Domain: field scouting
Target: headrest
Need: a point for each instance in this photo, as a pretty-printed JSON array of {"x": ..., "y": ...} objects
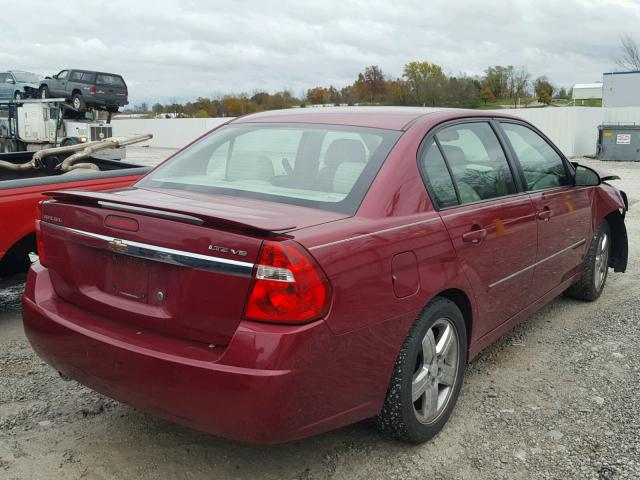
[
  {"x": 249, "y": 167},
  {"x": 345, "y": 150},
  {"x": 347, "y": 174},
  {"x": 454, "y": 154}
]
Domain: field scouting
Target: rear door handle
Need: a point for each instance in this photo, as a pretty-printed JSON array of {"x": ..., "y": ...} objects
[
  {"x": 545, "y": 214},
  {"x": 474, "y": 236}
]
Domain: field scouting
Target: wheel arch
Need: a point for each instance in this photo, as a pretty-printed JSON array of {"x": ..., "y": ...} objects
[
  {"x": 18, "y": 252},
  {"x": 463, "y": 302},
  {"x": 76, "y": 91}
]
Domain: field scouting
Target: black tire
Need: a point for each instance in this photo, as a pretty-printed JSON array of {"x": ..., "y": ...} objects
[
  {"x": 113, "y": 108},
  {"x": 44, "y": 92},
  {"x": 18, "y": 95},
  {"x": 400, "y": 414},
  {"x": 596, "y": 267},
  {"x": 77, "y": 102}
]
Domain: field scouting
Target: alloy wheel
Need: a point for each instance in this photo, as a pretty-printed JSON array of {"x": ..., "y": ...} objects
[
  {"x": 602, "y": 261},
  {"x": 435, "y": 371}
]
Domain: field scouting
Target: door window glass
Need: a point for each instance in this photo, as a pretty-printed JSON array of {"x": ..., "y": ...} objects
[
  {"x": 438, "y": 178},
  {"x": 542, "y": 166},
  {"x": 63, "y": 75},
  {"x": 3, "y": 77},
  {"x": 478, "y": 164}
]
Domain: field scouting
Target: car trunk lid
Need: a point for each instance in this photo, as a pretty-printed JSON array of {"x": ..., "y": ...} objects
[{"x": 183, "y": 270}]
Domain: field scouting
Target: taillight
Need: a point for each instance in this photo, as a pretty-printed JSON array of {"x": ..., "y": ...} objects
[
  {"x": 93, "y": 90},
  {"x": 288, "y": 286},
  {"x": 39, "y": 243},
  {"x": 126, "y": 93}
]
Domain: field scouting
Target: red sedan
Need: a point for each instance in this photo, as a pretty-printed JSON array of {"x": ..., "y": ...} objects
[{"x": 293, "y": 272}]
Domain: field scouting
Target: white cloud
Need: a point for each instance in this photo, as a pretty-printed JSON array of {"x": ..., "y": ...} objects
[{"x": 185, "y": 49}]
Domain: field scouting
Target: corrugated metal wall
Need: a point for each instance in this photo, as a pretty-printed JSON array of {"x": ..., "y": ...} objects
[{"x": 573, "y": 129}]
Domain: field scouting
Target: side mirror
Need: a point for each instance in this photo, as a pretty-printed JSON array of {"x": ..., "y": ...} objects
[{"x": 586, "y": 177}]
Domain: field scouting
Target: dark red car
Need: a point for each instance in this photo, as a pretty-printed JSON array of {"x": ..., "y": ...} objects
[{"x": 293, "y": 272}]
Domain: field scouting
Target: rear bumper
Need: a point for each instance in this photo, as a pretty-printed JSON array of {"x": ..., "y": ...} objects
[{"x": 270, "y": 384}]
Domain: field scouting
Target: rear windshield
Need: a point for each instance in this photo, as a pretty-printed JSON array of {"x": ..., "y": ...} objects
[
  {"x": 319, "y": 166},
  {"x": 110, "y": 80}
]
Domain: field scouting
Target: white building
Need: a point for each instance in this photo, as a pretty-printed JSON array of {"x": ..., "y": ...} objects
[
  {"x": 587, "y": 91},
  {"x": 621, "y": 89}
]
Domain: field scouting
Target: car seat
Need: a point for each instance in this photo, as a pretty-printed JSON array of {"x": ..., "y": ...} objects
[{"x": 340, "y": 151}]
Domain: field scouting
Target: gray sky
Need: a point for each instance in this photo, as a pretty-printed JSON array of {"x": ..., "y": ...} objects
[{"x": 185, "y": 49}]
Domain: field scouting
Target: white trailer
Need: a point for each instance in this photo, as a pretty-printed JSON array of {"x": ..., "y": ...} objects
[{"x": 32, "y": 125}]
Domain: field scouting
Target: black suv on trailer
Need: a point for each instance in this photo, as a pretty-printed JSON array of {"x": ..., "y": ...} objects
[{"x": 84, "y": 88}]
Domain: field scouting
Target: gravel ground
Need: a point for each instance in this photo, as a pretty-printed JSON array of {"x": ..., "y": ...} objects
[{"x": 555, "y": 398}]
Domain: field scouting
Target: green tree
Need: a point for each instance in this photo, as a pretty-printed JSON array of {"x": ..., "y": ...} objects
[{"x": 424, "y": 81}]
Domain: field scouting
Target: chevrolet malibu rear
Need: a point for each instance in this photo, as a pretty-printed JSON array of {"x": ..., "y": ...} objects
[{"x": 287, "y": 274}]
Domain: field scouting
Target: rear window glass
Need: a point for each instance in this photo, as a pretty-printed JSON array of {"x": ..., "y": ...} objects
[
  {"x": 110, "y": 80},
  {"x": 319, "y": 166}
]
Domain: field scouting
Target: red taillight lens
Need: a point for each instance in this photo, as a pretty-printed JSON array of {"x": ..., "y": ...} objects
[
  {"x": 126, "y": 93},
  {"x": 93, "y": 90},
  {"x": 39, "y": 243},
  {"x": 288, "y": 286}
]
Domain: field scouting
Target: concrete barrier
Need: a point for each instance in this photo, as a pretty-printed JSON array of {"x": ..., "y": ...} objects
[{"x": 573, "y": 129}]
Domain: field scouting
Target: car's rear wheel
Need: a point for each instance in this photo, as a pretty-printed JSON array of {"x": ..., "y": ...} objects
[
  {"x": 77, "y": 102},
  {"x": 596, "y": 267},
  {"x": 44, "y": 92},
  {"x": 428, "y": 374}
]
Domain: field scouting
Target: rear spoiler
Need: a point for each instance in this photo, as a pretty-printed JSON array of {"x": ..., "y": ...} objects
[{"x": 172, "y": 211}]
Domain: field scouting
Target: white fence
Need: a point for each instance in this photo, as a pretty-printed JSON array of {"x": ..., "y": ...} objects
[{"x": 573, "y": 129}]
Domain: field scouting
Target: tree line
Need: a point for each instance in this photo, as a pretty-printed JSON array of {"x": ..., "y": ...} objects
[{"x": 421, "y": 84}]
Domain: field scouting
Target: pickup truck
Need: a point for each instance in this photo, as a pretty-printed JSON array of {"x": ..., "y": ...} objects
[
  {"x": 21, "y": 190},
  {"x": 84, "y": 88}
]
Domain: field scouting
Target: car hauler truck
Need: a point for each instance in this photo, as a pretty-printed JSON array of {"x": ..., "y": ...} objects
[{"x": 32, "y": 125}]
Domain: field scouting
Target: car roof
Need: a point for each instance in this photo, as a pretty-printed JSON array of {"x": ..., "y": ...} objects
[{"x": 391, "y": 118}]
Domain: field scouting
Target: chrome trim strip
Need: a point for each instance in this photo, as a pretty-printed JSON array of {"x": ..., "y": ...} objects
[
  {"x": 151, "y": 212},
  {"x": 539, "y": 262},
  {"x": 377, "y": 232},
  {"x": 167, "y": 255}
]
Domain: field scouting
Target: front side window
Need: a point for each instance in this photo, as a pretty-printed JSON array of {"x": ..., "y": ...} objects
[
  {"x": 542, "y": 166},
  {"x": 63, "y": 75},
  {"x": 477, "y": 162},
  {"x": 320, "y": 166}
]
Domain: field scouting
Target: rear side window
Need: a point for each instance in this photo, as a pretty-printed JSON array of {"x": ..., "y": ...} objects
[
  {"x": 542, "y": 166},
  {"x": 438, "y": 178},
  {"x": 477, "y": 162},
  {"x": 110, "y": 80},
  {"x": 86, "y": 77},
  {"x": 329, "y": 167}
]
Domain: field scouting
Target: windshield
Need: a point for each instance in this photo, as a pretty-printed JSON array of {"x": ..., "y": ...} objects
[
  {"x": 321, "y": 166},
  {"x": 26, "y": 77}
]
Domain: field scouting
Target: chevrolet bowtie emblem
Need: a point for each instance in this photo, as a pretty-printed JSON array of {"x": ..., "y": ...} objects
[{"x": 117, "y": 246}]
